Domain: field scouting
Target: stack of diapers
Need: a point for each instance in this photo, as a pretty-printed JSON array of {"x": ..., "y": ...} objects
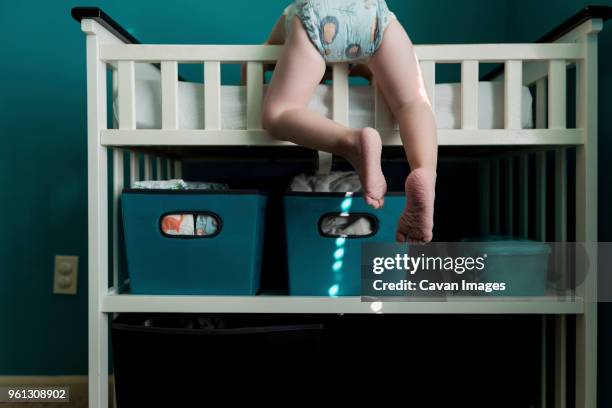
[{"x": 182, "y": 224}]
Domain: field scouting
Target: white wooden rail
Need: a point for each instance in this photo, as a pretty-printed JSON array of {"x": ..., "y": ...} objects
[
  {"x": 509, "y": 196},
  {"x": 514, "y": 57},
  {"x": 270, "y": 53}
]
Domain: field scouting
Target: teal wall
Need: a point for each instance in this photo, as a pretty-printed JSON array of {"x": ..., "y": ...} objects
[
  {"x": 43, "y": 159},
  {"x": 42, "y": 124}
]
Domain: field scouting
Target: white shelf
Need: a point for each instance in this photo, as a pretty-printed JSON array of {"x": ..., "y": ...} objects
[
  {"x": 117, "y": 303},
  {"x": 241, "y": 137}
]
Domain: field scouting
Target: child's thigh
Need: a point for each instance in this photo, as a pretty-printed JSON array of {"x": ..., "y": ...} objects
[
  {"x": 396, "y": 68},
  {"x": 298, "y": 70}
]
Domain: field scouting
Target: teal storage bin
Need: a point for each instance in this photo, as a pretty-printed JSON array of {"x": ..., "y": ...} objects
[
  {"x": 330, "y": 265},
  {"x": 522, "y": 264},
  {"x": 226, "y": 262}
]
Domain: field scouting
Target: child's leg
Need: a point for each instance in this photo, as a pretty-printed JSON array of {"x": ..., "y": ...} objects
[
  {"x": 286, "y": 115},
  {"x": 396, "y": 70}
]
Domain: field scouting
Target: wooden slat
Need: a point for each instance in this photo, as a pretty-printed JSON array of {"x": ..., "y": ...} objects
[
  {"x": 118, "y": 181},
  {"x": 428, "y": 70},
  {"x": 115, "y": 92},
  {"x": 495, "y": 197},
  {"x": 541, "y": 102},
  {"x": 485, "y": 196},
  {"x": 254, "y": 85},
  {"x": 134, "y": 168},
  {"x": 178, "y": 169},
  {"x": 469, "y": 95},
  {"x": 560, "y": 195},
  {"x": 169, "y": 88},
  {"x": 341, "y": 94},
  {"x": 383, "y": 118},
  {"x": 540, "y": 191},
  {"x": 126, "y": 95},
  {"x": 579, "y": 112},
  {"x": 524, "y": 195},
  {"x": 147, "y": 167},
  {"x": 513, "y": 94},
  {"x": 561, "y": 209},
  {"x": 158, "y": 168},
  {"x": 510, "y": 196},
  {"x": 586, "y": 217},
  {"x": 543, "y": 361},
  {"x": 561, "y": 274},
  {"x": 560, "y": 361},
  {"x": 340, "y": 110},
  {"x": 168, "y": 169},
  {"x": 212, "y": 95},
  {"x": 557, "y": 94}
]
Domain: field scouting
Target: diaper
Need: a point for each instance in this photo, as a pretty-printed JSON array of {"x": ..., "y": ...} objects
[
  {"x": 342, "y": 30},
  {"x": 177, "y": 224},
  {"x": 188, "y": 225},
  {"x": 206, "y": 225}
]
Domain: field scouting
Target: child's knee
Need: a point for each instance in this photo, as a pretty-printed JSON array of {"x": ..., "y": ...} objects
[
  {"x": 267, "y": 118},
  {"x": 270, "y": 115}
]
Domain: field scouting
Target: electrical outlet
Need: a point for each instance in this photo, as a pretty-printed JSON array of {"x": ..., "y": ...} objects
[{"x": 66, "y": 272}]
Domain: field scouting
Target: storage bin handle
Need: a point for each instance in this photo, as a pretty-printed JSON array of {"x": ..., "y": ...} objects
[
  {"x": 348, "y": 225},
  {"x": 192, "y": 224}
]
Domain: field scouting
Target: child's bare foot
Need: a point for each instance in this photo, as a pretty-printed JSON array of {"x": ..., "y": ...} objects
[
  {"x": 367, "y": 164},
  {"x": 416, "y": 222}
]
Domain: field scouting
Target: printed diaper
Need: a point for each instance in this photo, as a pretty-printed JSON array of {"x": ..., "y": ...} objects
[
  {"x": 206, "y": 225},
  {"x": 342, "y": 30},
  {"x": 189, "y": 225}
]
